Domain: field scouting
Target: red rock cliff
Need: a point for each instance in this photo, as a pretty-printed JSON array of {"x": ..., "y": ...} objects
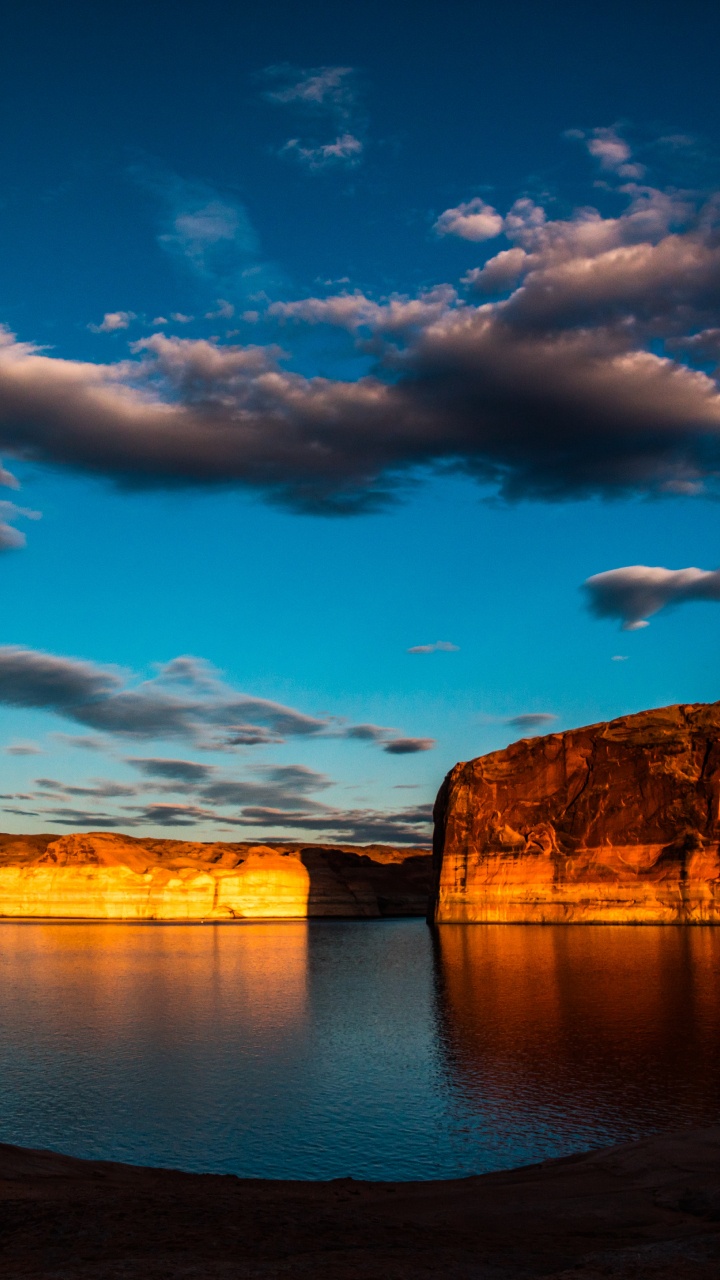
[{"x": 615, "y": 822}]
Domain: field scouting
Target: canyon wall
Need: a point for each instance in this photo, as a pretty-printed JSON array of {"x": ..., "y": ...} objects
[
  {"x": 100, "y": 876},
  {"x": 616, "y": 822}
]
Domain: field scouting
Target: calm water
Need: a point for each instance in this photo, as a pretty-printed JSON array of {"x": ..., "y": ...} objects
[{"x": 374, "y": 1049}]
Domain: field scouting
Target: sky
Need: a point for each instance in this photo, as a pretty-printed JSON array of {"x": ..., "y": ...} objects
[{"x": 359, "y": 409}]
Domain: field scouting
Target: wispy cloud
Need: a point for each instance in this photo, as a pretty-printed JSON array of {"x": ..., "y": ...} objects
[
  {"x": 186, "y": 700},
  {"x": 438, "y": 646},
  {"x": 24, "y": 749},
  {"x": 209, "y": 233},
  {"x": 11, "y": 539},
  {"x": 276, "y": 798},
  {"x": 531, "y": 720},
  {"x": 327, "y": 96},
  {"x": 638, "y": 591},
  {"x": 389, "y": 739},
  {"x": 346, "y": 149}
]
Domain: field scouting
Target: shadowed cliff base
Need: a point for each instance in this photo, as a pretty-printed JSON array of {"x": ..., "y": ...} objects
[
  {"x": 102, "y": 876},
  {"x": 648, "y": 1210},
  {"x": 618, "y": 823}
]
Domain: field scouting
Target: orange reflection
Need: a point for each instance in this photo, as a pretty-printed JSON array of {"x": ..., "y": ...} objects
[{"x": 536, "y": 1014}]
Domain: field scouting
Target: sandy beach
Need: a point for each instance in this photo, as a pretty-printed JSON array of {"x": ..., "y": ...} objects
[{"x": 648, "y": 1210}]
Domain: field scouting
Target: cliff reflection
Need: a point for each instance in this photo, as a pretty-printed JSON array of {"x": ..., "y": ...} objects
[{"x": 605, "y": 1030}]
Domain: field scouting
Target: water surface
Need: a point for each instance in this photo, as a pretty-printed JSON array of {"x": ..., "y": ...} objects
[{"x": 320, "y": 1049}]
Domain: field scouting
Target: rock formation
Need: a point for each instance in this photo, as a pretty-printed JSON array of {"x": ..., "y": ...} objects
[
  {"x": 100, "y": 876},
  {"x": 617, "y": 822}
]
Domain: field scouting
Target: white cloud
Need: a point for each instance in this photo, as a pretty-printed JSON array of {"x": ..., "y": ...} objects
[
  {"x": 112, "y": 321},
  {"x": 474, "y": 220}
]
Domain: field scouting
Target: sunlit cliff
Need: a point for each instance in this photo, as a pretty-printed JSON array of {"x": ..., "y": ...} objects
[
  {"x": 113, "y": 877},
  {"x": 617, "y": 822}
]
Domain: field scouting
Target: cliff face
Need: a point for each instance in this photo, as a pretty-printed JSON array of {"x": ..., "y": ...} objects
[
  {"x": 111, "y": 877},
  {"x": 614, "y": 822}
]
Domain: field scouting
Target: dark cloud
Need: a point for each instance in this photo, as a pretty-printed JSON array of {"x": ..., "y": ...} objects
[
  {"x": 408, "y": 746},
  {"x": 185, "y": 700},
  {"x": 23, "y": 749},
  {"x": 389, "y": 739},
  {"x": 591, "y": 374},
  {"x": 102, "y": 788},
  {"x": 638, "y": 591},
  {"x": 531, "y": 719},
  {"x": 409, "y": 826},
  {"x": 177, "y": 770}
]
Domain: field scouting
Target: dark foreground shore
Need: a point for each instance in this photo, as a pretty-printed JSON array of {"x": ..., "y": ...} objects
[{"x": 645, "y": 1209}]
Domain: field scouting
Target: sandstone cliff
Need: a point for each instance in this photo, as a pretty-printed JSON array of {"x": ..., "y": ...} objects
[
  {"x": 615, "y": 822},
  {"x": 100, "y": 876}
]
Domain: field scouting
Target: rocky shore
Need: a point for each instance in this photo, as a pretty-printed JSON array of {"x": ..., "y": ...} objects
[
  {"x": 649, "y": 1210},
  {"x": 618, "y": 822}
]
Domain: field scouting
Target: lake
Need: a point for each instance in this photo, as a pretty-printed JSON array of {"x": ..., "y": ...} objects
[{"x": 320, "y": 1049}]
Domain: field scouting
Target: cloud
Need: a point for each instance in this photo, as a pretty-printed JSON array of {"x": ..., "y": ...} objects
[
  {"x": 346, "y": 149},
  {"x": 439, "y": 646},
  {"x": 209, "y": 233},
  {"x": 7, "y": 479},
  {"x": 388, "y": 739},
  {"x": 633, "y": 594},
  {"x": 102, "y": 788},
  {"x": 474, "y": 220},
  {"x": 182, "y": 771},
  {"x": 10, "y": 538},
  {"x": 319, "y": 88},
  {"x": 277, "y": 798},
  {"x": 186, "y": 700},
  {"x": 328, "y": 95},
  {"x": 408, "y": 746},
  {"x": 112, "y": 321},
  {"x": 531, "y": 719},
  {"x": 573, "y": 385},
  {"x": 619, "y": 657},
  {"x": 82, "y": 742},
  {"x": 225, "y": 311},
  {"x": 614, "y": 153},
  {"x": 24, "y": 749}
]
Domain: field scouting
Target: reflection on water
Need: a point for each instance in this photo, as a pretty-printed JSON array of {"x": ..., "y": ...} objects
[
  {"x": 563, "y": 1037},
  {"x": 324, "y": 1048}
]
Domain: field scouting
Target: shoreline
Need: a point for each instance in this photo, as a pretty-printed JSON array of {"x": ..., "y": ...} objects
[{"x": 648, "y": 1209}]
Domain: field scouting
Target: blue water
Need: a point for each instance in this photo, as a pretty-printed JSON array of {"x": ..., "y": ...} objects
[{"x": 377, "y": 1049}]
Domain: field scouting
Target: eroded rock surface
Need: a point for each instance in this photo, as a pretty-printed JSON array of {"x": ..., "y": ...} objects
[
  {"x": 115, "y": 877},
  {"x": 616, "y": 822}
]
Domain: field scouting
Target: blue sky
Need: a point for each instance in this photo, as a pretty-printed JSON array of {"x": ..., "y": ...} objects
[{"x": 333, "y": 333}]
